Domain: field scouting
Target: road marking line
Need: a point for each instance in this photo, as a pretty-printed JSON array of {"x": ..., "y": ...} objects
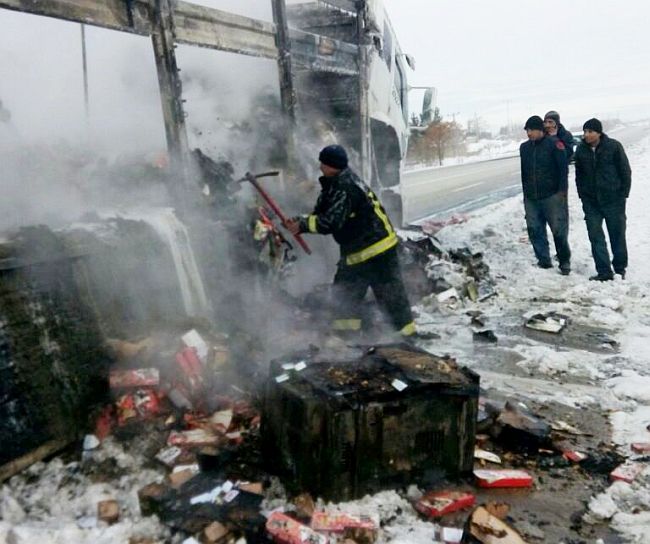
[{"x": 458, "y": 189}]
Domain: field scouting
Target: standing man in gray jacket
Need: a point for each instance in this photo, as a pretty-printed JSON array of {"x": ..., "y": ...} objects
[{"x": 603, "y": 179}]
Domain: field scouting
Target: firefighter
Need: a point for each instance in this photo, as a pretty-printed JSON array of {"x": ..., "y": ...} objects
[{"x": 350, "y": 211}]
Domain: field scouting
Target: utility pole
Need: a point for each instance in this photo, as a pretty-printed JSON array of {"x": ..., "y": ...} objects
[
  {"x": 84, "y": 65},
  {"x": 365, "y": 143},
  {"x": 170, "y": 85}
]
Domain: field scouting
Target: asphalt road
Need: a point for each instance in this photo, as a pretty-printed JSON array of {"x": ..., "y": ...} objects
[{"x": 440, "y": 192}]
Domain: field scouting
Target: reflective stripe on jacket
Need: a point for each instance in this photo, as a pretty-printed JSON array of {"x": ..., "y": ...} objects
[{"x": 351, "y": 212}]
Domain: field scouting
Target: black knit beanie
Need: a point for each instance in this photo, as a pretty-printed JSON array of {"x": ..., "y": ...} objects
[
  {"x": 593, "y": 124},
  {"x": 534, "y": 123},
  {"x": 334, "y": 156}
]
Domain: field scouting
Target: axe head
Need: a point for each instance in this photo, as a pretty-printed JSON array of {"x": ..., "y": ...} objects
[{"x": 252, "y": 177}]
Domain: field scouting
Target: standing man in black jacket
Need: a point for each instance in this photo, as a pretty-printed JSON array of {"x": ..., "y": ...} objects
[
  {"x": 603, "y": 179},
  {"x": 544, "y": 172},
  {"x": 349, "y": 210},
  {"x": 553, "y": 127}
]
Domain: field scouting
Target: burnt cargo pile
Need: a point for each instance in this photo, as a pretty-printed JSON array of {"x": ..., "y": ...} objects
[
  {"x": 343, "y": 428},
  {"x": 51, "y": 361}
]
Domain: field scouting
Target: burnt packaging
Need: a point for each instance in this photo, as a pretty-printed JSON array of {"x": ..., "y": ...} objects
[{"x": 343, "y": 428}]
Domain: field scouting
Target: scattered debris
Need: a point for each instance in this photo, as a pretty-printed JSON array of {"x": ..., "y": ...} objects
[
  {"x": 484, "y": 528},
  {"x": 485, "y": 335},
  {"x": 438, "y": 503},
  {"x": 503, "y": 478},
  {"x": 108, "y": 511},
  {"x": 484, "y": 455},
  {"x": 142, "y": 377},
  {"x": 574, "y": 456},
  {"x": 449, "y": 298},
  {"x": 451, "y": 535},
  {"x": 339, "y": 523},
  {"x": 286, "y": 530},
  {"x": 498, "y": 509},
  {"x": 215, "y": 533},
  {"x": 305, "y": 506},
  {"x": 193, "y": 437},
  {"x": 169, "y": 456},
  {"x": 548, "y": 322},
  {"x": 564, "y": 427},
  {"x": 640, "y": 447},
  {"x": 627, "y": 472},
  {"x": 91, "y": 442},
  {"x": 192, "y": 339},
  {"x": 518, "y": 428},
  {"x": 151, "y": 498},
  {"x": 178, "y": 477}
]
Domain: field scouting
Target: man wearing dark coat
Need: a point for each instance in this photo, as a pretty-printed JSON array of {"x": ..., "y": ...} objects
[
  {"x": 603, "y": 179},
  {"x": 544, "y": 172}
]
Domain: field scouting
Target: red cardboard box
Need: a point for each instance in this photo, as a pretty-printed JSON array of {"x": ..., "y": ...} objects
[
  {"x": 503, "y": 478},
  {"x": 627, "y": 472},
  {"x": 438, "y": 503},
  {"x": 574, "y": 456},
  {"x": 193, "y": 437},
  {"x": 641, "y": 447},
  {"x": 338, "y": 523},
  {"x": 286, "y": 530},
  {"x": 140, "y": 377}
]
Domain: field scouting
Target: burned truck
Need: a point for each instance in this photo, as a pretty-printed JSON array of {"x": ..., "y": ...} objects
[{"x": 335, "y": 96}]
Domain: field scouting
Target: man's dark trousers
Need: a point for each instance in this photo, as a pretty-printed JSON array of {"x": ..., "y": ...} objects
[
  {"x": 382, "y": 274},
  {"x": 553, "y": 211},
  {"x": 614, "y": 215}
]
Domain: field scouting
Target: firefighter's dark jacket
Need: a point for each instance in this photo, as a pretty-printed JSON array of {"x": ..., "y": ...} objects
[
  {"x": 348, "y": 210},
  {"x": 604, "y": 174},
  {"x": 544, "y": 167}
]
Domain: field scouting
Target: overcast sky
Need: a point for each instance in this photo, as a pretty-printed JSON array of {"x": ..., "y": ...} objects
[
  {"x": 496, "y": 59},
  {"x": 584, "y": 58}
]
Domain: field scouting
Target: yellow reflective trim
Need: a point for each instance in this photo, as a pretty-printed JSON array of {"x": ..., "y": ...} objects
[
  {"x": 346, "y": 324},
  {"x": 408, "y": 329},
  {"x": 380, "y": 213},
  {"x": 372, "y": 251},
  {"x": 311, "y": 223}
]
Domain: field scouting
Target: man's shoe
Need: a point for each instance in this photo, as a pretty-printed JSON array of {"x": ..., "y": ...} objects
[
  {"x": 545, "y": 264},
  {"x": 565, "y": 271},
  {"x": 621, "y": 273},
  {"x": 602, "y": 277}
]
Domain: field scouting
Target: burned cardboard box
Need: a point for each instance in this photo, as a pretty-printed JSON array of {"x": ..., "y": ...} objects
[{"x": 343, "y": 427}]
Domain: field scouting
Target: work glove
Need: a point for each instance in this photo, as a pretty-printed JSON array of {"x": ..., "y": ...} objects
[{"x": 296, "y": 225}]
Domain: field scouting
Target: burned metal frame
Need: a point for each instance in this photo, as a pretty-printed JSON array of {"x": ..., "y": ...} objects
[{"x": 171, "y": 22}]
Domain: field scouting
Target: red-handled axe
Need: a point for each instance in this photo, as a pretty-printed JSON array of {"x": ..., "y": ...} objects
[{"x": 276, "y": 209}]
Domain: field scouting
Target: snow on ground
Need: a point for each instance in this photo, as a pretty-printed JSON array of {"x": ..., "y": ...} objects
[
  {"x": 56, "y": 502},
  {"x": 622, "y": 307}
]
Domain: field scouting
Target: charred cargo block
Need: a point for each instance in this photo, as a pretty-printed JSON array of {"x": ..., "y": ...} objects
[
  {"x": 52, "y": 364},
  {"x": 343, "y": 428}
]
